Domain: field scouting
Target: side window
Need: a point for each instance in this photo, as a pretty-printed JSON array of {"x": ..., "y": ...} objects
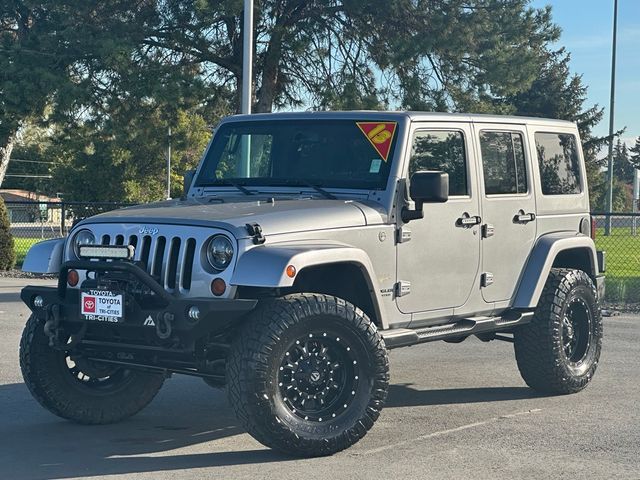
[
  {"x": 559, "y": 164},
  {"x": 441, "y": 150},
  {"x": 503, "y": 163}
]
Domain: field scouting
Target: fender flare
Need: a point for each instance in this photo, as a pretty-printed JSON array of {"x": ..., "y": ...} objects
[
  {"x": 265, "y": 266},
  {"x": 541, "y": 261},
  {"x": 44, "y": 257}
]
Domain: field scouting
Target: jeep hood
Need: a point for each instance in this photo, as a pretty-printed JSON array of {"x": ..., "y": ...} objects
[{"x": 274, "y": 216}]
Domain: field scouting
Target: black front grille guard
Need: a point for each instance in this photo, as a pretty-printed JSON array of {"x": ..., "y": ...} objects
[{"x": 113, "y": 266}]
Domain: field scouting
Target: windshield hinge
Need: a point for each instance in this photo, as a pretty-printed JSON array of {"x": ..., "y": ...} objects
[
  {"x": 403, "y": 234},
  {"x": 402, "y": 288}
]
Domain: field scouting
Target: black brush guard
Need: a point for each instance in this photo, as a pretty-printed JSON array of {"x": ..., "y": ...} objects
[{"x": 176, "y": 342}]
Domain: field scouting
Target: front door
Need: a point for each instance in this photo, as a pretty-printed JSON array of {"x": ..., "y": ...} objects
[
  {"x": 508, "y": 208},
  {"x": 441, "y": 259}
]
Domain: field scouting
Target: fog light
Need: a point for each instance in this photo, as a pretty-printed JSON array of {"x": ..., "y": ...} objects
[
  {"x": 218, "y": 287},
  {"x": 194, "y": 313},
  {"x": 73, "y": 278},
  {"x": 38, "y": 302}
]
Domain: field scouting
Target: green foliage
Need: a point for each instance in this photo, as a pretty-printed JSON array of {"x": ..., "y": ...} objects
[
  {"x": 7, "y": 252},
  {"x": 31, "y": 148},
  {"x": 418, "y": 54},
  {"x": 634, "y": 154},
  {"x": 127, "y": 161},
  {"x": 622, "y": 167},
  {"x": 111, "y": 77},
  {"x": 556, "y": 93}
]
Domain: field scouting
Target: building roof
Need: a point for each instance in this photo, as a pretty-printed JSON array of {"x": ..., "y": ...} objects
[{"x": 16, "y": 195}]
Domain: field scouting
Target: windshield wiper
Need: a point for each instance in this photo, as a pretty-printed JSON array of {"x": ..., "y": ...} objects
[
  {"x": 320, "y": 190},
  {"x": 240, "y": 187},
  {"x": 304, "y": 183}
]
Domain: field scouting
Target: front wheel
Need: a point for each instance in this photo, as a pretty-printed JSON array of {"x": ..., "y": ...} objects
[
  {"x": 308, "y": 375},
  {"x": 558, "y": 351},
  {"x": 78, "y": 389}
]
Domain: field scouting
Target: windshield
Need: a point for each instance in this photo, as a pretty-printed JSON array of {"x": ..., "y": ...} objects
[{"x": 340, "y": 154}]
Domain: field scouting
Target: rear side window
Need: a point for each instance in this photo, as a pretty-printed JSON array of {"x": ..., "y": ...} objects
[
  {"x": 441, "y": 150},
  {"x": 503, "y": 163},
  {"x": 559, "y": 164}
]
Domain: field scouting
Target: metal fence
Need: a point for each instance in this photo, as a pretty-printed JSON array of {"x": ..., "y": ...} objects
[
  {"x": 32, "y": 221},
  {"x": 623, "y": 255},
  {"x": 35, "y": 221}
]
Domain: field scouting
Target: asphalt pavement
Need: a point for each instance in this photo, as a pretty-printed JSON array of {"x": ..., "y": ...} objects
[{"x": 454, "y": 411}]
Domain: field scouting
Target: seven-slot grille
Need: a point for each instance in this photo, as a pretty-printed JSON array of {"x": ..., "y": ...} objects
[{"x": 168, "y": 259}]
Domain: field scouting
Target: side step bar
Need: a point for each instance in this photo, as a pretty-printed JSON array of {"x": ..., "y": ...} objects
[{"x": 402, "y": 337}]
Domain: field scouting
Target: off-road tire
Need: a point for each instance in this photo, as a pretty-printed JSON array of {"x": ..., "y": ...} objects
[
  {"x": 254, "y": 371},
  {"x": 541, "y": 346},
  {"x": 54, "y": 386}
]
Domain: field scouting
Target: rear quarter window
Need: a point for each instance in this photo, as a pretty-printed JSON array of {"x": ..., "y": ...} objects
[{"x": 559, "y": 163}]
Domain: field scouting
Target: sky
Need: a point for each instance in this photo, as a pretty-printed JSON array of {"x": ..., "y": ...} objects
[{"x": 587, "y": 34}]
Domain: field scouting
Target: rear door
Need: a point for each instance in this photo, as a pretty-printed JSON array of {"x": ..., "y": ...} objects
[{"x": 508, "y": 207}]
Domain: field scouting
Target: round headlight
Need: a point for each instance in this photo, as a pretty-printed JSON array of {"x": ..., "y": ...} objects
[
  {"x": 219, "y": 252},
  {"x": 83, "y": 237}
]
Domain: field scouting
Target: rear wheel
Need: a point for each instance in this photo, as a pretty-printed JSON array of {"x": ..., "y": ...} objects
[
  {"x": 308, "y": 375},
  {"x": 558, "y": 352},
  {"x": 78, "y": 389}
]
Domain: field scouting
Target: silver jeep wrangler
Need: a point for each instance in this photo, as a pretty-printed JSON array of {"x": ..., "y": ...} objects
[{"x": 308, "y": 244}]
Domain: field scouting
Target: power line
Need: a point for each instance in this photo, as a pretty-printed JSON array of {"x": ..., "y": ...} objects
[
  {"x": 28, "y": 176},
  {"x": 30, "y": 161}
]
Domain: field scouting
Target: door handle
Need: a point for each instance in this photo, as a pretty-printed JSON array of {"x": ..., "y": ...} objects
[
  {"x": 522, "y": 217},
  {"x": 467, "y": 220}
]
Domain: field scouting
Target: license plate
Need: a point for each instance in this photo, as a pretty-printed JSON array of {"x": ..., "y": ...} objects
[{"x": 102, "y": 305}]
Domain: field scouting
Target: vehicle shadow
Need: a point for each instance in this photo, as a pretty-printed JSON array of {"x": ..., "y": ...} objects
[
  {"x": 36, "y": 445},
  {"x": 405, "y": 396},
  {"x": 8, "y": 297},
  {"x": 177, "y": 431}
]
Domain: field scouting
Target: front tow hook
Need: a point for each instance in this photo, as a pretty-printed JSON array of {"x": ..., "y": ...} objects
[{"x": 163, "y": 325}]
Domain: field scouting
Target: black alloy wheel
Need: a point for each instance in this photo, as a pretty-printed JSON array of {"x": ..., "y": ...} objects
[
  {"x": 318, "y": 377},
  {"x": 558, "y": 352},
  {"x": 308, "y": 374}
]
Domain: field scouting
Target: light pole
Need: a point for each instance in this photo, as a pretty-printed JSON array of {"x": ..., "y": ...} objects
[
  {"x": 169, "y": 164},
  {"x": 247, "y": 57},
  {"x": 607, "y": 228},
  {"x": 244, "y": 167}
]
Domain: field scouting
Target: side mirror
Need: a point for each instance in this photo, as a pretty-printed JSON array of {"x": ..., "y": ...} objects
[
  {"x": 187, "y": 181},
  {"x": 426, "y": 187}
]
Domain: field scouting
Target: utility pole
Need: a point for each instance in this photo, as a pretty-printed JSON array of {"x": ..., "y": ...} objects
[
  {"x": 607, "y": 228},
  {"x": 169, "y": 165}
]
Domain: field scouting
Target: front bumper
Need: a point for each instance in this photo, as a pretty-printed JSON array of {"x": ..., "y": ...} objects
[{"x": 61, "y": 304}]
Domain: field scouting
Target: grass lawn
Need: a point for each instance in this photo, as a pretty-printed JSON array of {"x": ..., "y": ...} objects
[
  {"x": 623, "y": 261},
  {"x": 22, "y": 246},
  {"x": 623, "y": 264},
  {"x": 623, "y": 254}
]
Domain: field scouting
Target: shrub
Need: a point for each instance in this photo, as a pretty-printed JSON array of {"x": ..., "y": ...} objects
[{"x": 7, "y": 252}]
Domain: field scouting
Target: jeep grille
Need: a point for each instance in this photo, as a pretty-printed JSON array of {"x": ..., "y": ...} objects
[{"x": 168, "y": 259}]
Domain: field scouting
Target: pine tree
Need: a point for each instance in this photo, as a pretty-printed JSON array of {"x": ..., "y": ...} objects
[
  {"x": 7, "y": 252},
  {"x": 622, "y": 167},
  {"x": 556, "y": 93},
  {"x": 634, "y": 154}
]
